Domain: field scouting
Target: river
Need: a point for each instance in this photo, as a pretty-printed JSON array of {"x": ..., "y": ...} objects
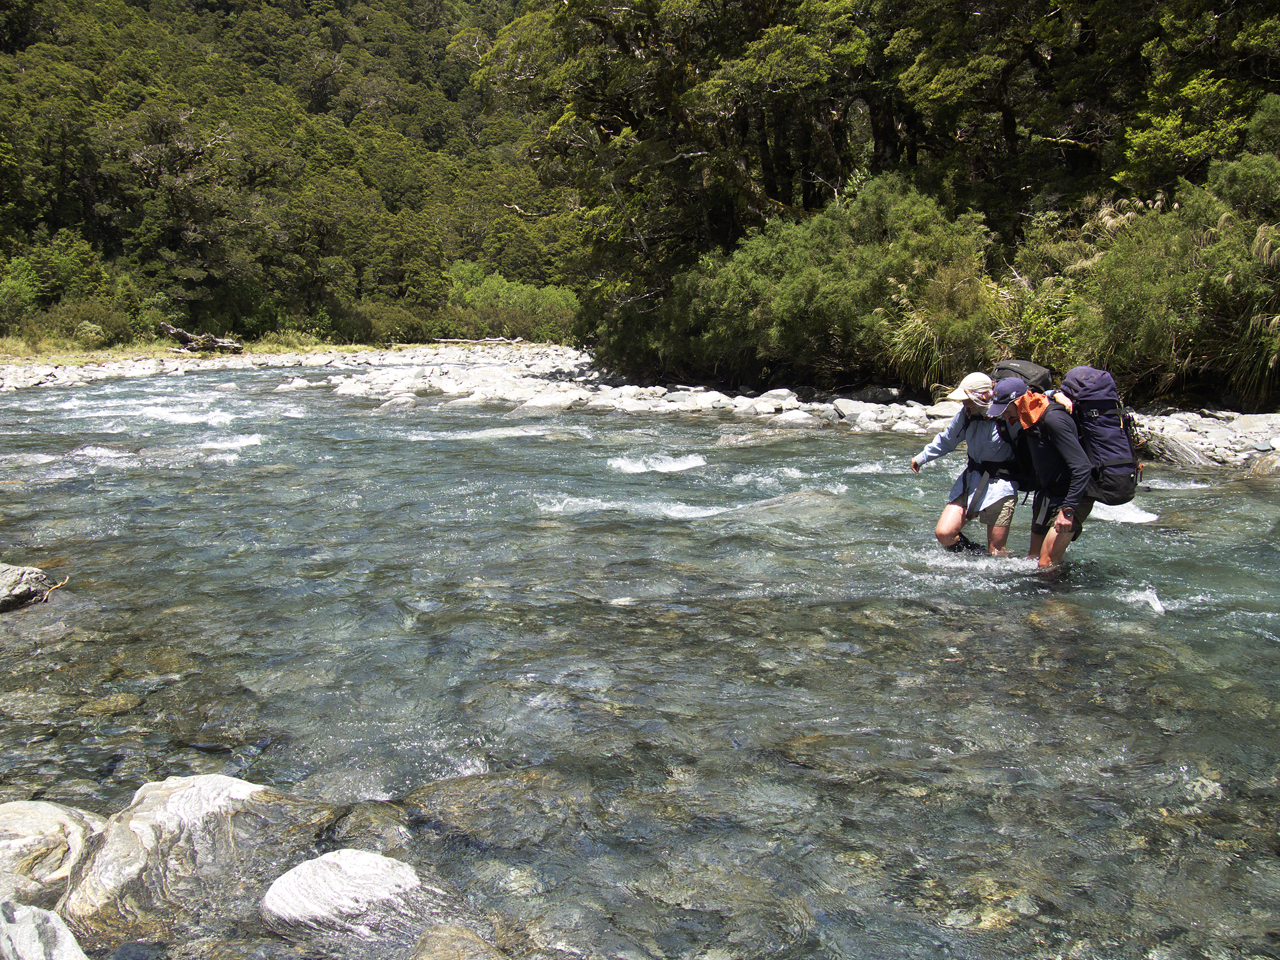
[{"x": 749, "y": 708}]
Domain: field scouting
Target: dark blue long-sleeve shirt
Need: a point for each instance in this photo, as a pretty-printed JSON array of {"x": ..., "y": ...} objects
[{"x": 1062, "y": 466}]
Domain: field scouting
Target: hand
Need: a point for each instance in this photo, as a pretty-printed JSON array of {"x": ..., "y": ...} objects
[
  {"x": 1063, "y": 523},
  {"x": 915, "y": 467},
  {"x": 1063, "y": 399}
]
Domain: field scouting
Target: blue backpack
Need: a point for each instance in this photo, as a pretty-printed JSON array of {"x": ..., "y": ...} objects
[{"x": 1106, "y": 433}]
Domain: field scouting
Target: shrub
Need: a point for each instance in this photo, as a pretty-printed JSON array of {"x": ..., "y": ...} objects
[
  {"x": 19, "y": 293},
  {"x": 945, "y": 330},
  {"x": 1251, "y": 184},
  {"x": 389, "y": 323},
  {"x": 90, "y": 323},
  {"x": 492, "y": 306},
  {"x": 1184, "y": 298},
  {"x": 821, "y": 300}
]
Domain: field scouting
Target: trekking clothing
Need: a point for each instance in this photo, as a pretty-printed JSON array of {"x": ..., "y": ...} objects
[
  {"x": 1044, "y": 513},
  {"x": 988, "y": 451},
  {"x": 1000, "y": 513},
  {"x": 1062, "y": 466}
]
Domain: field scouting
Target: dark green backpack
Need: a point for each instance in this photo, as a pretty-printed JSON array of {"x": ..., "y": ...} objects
[{"x": 1036, "y": 377}]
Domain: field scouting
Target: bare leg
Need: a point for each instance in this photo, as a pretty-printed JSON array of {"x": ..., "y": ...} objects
[
  {"x": 1033, "y": 550},
  {"x": 1055, "y": 546},
  {"x": 950, "y": 524},
  {"x": 997, "y": 538}
]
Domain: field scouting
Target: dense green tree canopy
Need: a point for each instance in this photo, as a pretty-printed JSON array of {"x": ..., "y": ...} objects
[
  {"x": 686, "y": 126},
  {"x": 250, "y": 165},
  {"x": 827, "y": 191}
]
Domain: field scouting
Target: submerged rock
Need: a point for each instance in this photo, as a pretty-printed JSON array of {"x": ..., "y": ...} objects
[
  {"x": 507, "y": 810},
  {"x": 451, "y": 942},
  {"x": 189, "y": 854}
]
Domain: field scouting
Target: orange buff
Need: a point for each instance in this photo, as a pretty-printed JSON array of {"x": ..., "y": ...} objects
[{"x": 1031, "y": 407}]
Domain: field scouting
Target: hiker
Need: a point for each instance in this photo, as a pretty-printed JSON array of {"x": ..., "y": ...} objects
[
  {"x": 1062, "y": 467},
  {"x": 981, "y": 489}
]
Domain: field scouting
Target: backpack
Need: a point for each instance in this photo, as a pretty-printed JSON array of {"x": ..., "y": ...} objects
[
  {"x": 1036, "y": 377},
  {"x": 1106, "y": 433}
]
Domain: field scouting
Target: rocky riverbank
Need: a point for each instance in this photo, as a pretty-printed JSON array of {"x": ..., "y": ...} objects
[
  {"x": 531, "y": 379},
  {"x": 210, "y": 864}
]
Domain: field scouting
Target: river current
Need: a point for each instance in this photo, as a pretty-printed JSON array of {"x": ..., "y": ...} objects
[{"x": 717, "y": 690}]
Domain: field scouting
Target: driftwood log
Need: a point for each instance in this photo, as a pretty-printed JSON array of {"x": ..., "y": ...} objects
[{"x": 201, "y": 342}]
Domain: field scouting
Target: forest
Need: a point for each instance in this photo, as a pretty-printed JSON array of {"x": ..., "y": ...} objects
[{"x": 819, "y": 193}]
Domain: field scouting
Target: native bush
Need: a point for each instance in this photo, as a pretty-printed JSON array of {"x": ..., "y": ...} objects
[
  {"x": 945, "y": 329},
  {"x": 19, "y": 294},
  {"x": 67, "y": 268},
  {"x": 1183, "y": 298},
  {"x": 825, "y": 299},
  {"x": 387, "y": 323},
  {"x": 489, "y": 305},
  {"x": 1251, "y": 184},
  {"x": 89, "y": 323},
  {"x": 1041, "y": 323}
]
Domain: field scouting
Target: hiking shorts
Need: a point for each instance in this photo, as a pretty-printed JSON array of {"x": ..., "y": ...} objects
[
  {"x": 1044, "y": 510},
  {"x": 1000, "y": 513}
]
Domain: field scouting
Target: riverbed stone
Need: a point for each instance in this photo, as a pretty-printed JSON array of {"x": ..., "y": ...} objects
[
  {"x": 1268, "y": 466},
  {"x": 32, "y": 933},
  {"x": 509, "y": 810},
  {"x": 852, "y": 409},
  {"x": 795, "y": 418},
  {"x": 40, "y": 844},
  {"x": 190, "y": 855},
  {"x": 355, "y": 900},
  {"x": 1180, "y": 449},
  {"x": 401, "y": 401},
  {"x": 944, "y": 410},
  {"x": 21, "y": 585}
]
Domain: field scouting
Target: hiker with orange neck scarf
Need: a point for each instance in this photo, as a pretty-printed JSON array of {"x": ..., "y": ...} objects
[{"x": 1062, "y": 467}]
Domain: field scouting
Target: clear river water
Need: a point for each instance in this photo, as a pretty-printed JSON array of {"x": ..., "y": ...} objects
[{"x": 714, "y": 690}]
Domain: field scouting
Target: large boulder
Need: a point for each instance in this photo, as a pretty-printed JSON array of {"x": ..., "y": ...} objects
[
  {"x": 40, "y": 844},
  {"x": 21, "y": 585},
  {"x": 361, "y": 903},
  {"x": 189, "y": 856}
]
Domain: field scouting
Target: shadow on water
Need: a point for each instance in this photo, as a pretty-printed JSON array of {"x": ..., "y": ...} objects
[{"x": 678, "y": 689}]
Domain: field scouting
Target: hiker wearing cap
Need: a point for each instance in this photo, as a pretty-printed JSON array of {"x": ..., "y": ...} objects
[
  {"x": 1062, "y": 467},
  {"x": 982, "y": 489}
]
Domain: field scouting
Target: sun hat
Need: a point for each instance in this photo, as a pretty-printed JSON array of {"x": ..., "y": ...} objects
[
  {"x": 1007, "y": 390},
  {"x": 974, "y": 383}
]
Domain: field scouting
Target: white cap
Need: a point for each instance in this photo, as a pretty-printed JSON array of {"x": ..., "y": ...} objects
[{"x": 973, "y": 383}]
